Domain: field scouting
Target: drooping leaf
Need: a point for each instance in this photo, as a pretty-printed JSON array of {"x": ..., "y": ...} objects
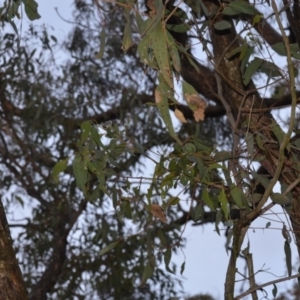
[
  {"x": 280, "y": 49},
  {"x": 148, "y": 271},
  {"x": 182, "y": 267},
  {"x": 207, "y": 199},
  {"x": 224, "y": 203},
  {"x": 238, "y": 196},
  {"x": 161, "y": 98},
  {"x": 198, "y": 213},
  {"x": 127, "y": 37},
  {"x": 80, "y": 172},
  {"x": 222, "y": 25},
  {"x": 167, "y": 259},
  {"x": 274, "y": 290},
  {"x": 162, "y": 238},
  {"x": 222, "y": 156},
  {"x": 189, "y": 148},
  {"x": 31, "y": 9},
  {"x": 254, "y": 65},
  {"x": 85, "y": 130},
  {"x": 100, "y": 54},
  {"x": 159, "y": 44},
  {"x": 174, "y": 53},
  {"x": 288, "y": 257},
  {"x": 286, "y": 234},
  {"x": 108, "y": 248},
  {"x": 152, "y": 23},
  {"x": 58, "y": 168},
  {"x": 228, "y": 239},
  {"x": 239, "y": 7},
  {"x": 173, "y": 201},
  {"x": 281, "y": 199},
  {"x": 246, "y": 58}
]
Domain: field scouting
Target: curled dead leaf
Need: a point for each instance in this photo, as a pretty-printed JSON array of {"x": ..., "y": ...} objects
[
  {"x": 197, "y": 104},
  {"x": 180, "y": 116},
  {"x": 157, "y": 211}
]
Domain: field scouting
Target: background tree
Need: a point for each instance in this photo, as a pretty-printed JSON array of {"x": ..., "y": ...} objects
[{"x": 96, "y": 226}]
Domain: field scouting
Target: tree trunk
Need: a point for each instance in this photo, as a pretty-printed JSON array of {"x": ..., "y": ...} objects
[{"x": 12, "y": 286}]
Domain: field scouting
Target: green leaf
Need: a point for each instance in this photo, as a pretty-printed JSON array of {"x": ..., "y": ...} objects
[
  {"x": 222, "y": 25},
  {"x": 280, "y": 49},
  {"x": 152, "y": 23},
  {"x": 198, "y": 213},
  {"x": 240, "y": 7},
  {"x": 127, "y": 37},
  {"x": 189, "y": 148},
  {"x": 108, "y": 248},
  {"x": 218, "y": 220},
  {"x": 85, "y": 130},
  {"x": 195, "y": 6},
  {"x": 31, "y": 9},
  {"x": 162, "y": 238},
  {"x": 141, "y": 24},
  {"x": 174, "y": 53},
  {"x": 286, "y": 234},
  {"x": 238, "y": 196},
  {"x": 222, "y": 156},
  {"x": 80, "y": 172},
  {"x": 243, "y": 50},
  {"x": 246, "y": 58},
  {"x": 270, "y": 69},
  {"x": 274, "y": 290},
  {"x": 250, "y": 143},
  {"x": 159, "y": 44},
  {"x": 182, "y": 268},
  {"x": 58, "y": 168},
  {"x": 228, "y": 11},
  {"x": 162, "y": 102},
  {"x": 254, "y": 65},
  {"x": 288, "y": 257},
  {"x": 235, "y": 51},
  {"x": 100, "y": 54},
  {"x": 278, "y": 198},
  {"x": 181, "y": 28},
  {"x": 224, "y": 203},
  {"x": 167, "y": 259},
  {"x": 148, "y": 271},
  {"x": 277, "y": 130},
  {"x": 207, "y": 200},
  {"x": 257, "y": 19},
  {"x": 228, "y": 239},
  {"x": 173, "y": 201},
  {"x": 188, "y": 89}
]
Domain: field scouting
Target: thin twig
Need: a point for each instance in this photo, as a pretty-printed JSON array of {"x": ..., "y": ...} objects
[{"x": 259, "y": 287}]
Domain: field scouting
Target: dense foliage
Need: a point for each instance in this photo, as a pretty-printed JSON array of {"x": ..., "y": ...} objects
[{"x": 109, "y": 153}]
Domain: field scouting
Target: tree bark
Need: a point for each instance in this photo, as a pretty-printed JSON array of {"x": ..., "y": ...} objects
[{"x": 12, "y": 286}]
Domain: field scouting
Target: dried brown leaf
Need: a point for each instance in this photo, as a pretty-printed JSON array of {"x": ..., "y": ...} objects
[
  {"x": 157, "y": 211},
  {"x": 180, "y": 116},
  {"x": 199, "y": 114},
  {"x": 198, "y": 105}
]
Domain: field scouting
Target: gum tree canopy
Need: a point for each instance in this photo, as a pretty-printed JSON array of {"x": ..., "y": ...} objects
[{"x": 110, "y": 154}]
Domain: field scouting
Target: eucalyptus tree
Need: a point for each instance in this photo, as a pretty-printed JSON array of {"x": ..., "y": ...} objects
[{"x": 78, "y": 140}]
